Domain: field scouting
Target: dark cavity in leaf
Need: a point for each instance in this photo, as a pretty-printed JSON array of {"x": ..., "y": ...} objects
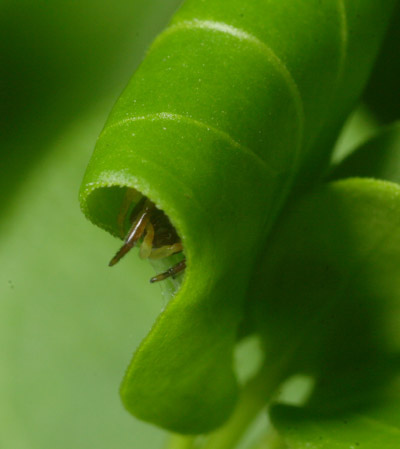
[{"x": 152, "y": 228}]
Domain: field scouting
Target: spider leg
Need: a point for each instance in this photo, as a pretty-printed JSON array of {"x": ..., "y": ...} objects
[
  {"x": 135, "y": 232},
  {"x": 147, "y": 244},
  {"x": 166, "y": 251},
  {"x": 173, "y": 271},
  {"x": 131, "y": 196}
]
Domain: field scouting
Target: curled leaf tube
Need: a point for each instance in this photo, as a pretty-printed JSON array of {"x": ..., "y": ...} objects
[{"x": 232, "y": 106}]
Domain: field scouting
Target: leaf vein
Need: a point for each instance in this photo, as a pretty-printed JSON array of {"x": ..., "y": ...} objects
[
  {"x": 177, "y": 117},
  {"x": 263, "y": 48}
]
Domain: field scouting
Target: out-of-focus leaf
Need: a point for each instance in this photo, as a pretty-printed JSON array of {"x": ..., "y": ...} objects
[
  {"x": 382, "y": 93},
  {"x": 58, "y": 59},
  {"x": 233, "y": 102},
  {"x": 66, "y": 319},
  {"x": 378, "y": 158},
  {"x": 60, "y": 56},
  {"x": 376, "y": 425},
  {"x": 360, "y": 126},
  {"x": 328, "y": 304},
  {"x": 328, "y": 298}
]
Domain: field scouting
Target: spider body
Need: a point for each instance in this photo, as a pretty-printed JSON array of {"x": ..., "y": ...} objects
[{"x": 159, "y": 238}]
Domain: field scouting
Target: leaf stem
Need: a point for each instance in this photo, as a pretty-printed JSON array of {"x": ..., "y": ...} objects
[
  {"x": 255, "y": 395},
  {"x": 177, "y": 441},
  {"x": 272, "y": 440}
]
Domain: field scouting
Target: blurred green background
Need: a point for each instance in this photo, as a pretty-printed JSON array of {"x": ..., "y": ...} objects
[{"x": 69, "y": 324}]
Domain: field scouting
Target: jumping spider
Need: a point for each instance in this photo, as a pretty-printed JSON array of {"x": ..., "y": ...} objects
[{"x": 159, "y": 238}]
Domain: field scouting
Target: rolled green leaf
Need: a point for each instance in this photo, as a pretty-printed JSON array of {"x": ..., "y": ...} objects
[{"x": 233, "y": 104}]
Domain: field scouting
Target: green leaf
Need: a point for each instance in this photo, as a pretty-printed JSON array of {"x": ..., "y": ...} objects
[
  {"x": 328, "y": 305},
  {"x": 382, "y": 93},
  {"x": 379, "y": 157},
  {"x": 65, "y": 319},
  {"x": 374, "y": 426},
  {"x": 52, "y": 74},
  {"x": 329, "y": 293},
  {"x": 231, "y": 105}
]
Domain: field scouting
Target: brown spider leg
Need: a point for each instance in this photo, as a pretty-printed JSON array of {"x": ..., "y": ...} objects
[
  {"x": 135, "y": 232},
  {"x": 173, "y": 271},
  {"x": 131, "y": 196}
]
